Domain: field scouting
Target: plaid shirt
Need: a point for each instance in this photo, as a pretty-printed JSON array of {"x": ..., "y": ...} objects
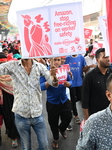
[{"x": 27, "y": 92}]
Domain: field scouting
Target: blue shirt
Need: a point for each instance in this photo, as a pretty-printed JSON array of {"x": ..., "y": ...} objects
[
  {"x": 76, "y": 66},
  {"x": 55, "y": 95}
]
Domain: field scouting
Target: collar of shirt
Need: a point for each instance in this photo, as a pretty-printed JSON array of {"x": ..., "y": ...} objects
[
  {"x": 34, "y": 62},
  {"x": 98, "y": 70},
  {"x": 109, "y": 111}
]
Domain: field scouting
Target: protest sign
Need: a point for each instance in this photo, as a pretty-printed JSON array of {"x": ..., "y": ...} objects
[
  {"x": 62, "y": 73},
  {"x": 51, "y": 31},
  {"x": 10, "y": 38},
  {"x": 103, "y": 27},
  {"x": 67, "y": 67},
  {"x": 96, "y": 46},
  {"x": 87, "y": 33}
]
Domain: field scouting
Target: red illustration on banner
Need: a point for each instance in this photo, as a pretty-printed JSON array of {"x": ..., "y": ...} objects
[
  {"x": 79, "y": 47},
  {"x": 95, "y": 47},
  {"x": 73, "y": 49},
  {"x": 62, "y": 73},
  {"x": 67, "y": 67},
  {"x": 36, "y": 40},
  {"x": 77, "y": 39},
  {"x": 87, "y": 33}
]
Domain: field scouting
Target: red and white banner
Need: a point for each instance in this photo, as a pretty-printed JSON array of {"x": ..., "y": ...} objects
[
  {"x": 10, "y": 38},
  {"x": 87, "y": 33},
  {"x": 62, "y": 73},
  {"x": 96, "y": 46},
  {"x": 109, "y": 25},
  {"x": 103, "y": 27},
  {"x": 51, "y": 31}
]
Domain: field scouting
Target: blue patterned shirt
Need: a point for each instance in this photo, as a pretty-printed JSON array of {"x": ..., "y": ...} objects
[{"x": 97, "y": 132}]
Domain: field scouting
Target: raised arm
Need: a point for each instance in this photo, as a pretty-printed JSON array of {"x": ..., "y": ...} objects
[{"x": 50, "y": 76}]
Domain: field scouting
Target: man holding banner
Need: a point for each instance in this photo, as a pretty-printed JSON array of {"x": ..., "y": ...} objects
[
  {"x": 58, "y": 105},
  {"x": 27, "y": 105},
  {"x": 49, "y": 32}
]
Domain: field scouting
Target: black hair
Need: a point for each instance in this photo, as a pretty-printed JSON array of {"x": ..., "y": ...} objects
[
  {"x": 2, "y": 55},
  {"x": 18, "y": 41},
  {"x": 108, "y": 82},
  {"x": 91, "y": 39},
  {"x": 9, "y": 45},
  {"x": 90, "y": 48},
  {"x": 97, "y": 54},
  {"x": 5, "y": 49},
  {"x": 3, "y": 46}
]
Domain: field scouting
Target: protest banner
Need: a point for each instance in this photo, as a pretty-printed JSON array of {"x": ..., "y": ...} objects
[
  {"x": 103, "y": 27},
  {"x": 10, "y": 38},
  {"x": 62, "y": 73},
  {"x": 67, "y": 67},
  {"x": 51, "y": 31},
  {"x": 87, "y": 33},
  {"x": 96, "y": 46},
  {"x": 109, "y": 25}
]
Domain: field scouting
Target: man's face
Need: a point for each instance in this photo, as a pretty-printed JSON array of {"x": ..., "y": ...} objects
[
  {"x": 57, "y": 62},
  {"x": 91, "y": 42},
  {"x": 63, "y": 60},
  {"x": 103, "y": 60},
  {"x": 6, "y": 53}
]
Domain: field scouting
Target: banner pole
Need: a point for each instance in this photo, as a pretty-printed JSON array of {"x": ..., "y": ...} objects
[{"x": 52, "y": 61}]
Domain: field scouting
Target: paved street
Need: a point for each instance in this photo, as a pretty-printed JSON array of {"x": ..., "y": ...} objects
[{"x": 64, "y": 144}]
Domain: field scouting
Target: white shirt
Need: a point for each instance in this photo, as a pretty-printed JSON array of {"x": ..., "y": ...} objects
[
  {"x": 27, "y": 92},
  {"x": 90, "y": 61}
]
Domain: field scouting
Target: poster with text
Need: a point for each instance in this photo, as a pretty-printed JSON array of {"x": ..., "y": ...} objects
[
  {"x": 10, "y": 39},
  {"x": 96, "y": 46},
  {"x": 104, "y": 31},
  {"x": 62, "y": 73},
  {"x": 51, "y": 31},
  {"x": 87, "y": 33}
]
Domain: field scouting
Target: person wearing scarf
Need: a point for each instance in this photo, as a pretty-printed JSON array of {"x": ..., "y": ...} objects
[{"x": 6, "y": 103}]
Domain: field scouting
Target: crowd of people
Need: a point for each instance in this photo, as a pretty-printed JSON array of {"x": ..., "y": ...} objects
[{"x": 22, "y": 81}]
